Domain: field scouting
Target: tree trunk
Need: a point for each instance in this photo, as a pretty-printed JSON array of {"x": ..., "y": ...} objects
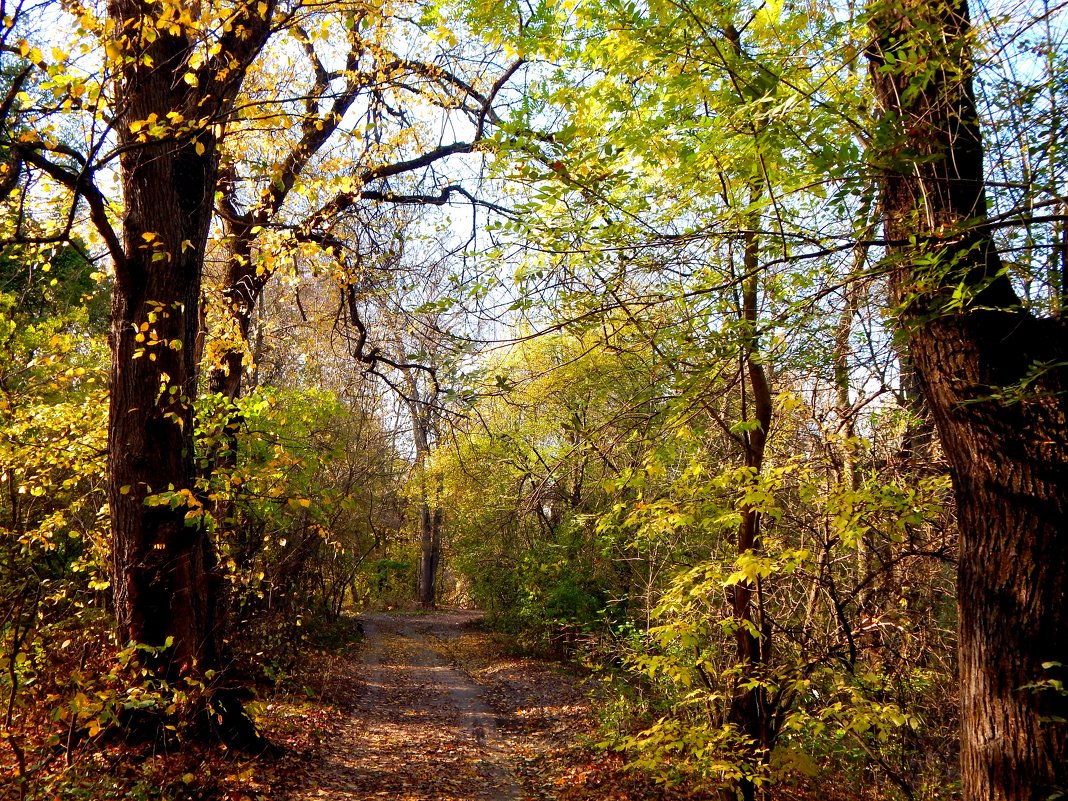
[
  {"x": 422, "y": 411},
  {"x": 241, "y": 289},
  {"x": 429, "y": 512},
  {"x": 162, "y": 568},
  {"x": 751, "y": 709},
  {"x": 165, "y": 580},
  {"x": 996, "y": 381},
  {"x": 429, "y": 553},
  {"x": 850, "y": 471}
]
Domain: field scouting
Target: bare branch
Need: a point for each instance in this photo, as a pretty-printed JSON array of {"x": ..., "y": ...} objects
[{"x": 81, "y": 184}]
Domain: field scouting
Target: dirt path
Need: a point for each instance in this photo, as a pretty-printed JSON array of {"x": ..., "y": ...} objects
[{"x": 436, "y": 719}]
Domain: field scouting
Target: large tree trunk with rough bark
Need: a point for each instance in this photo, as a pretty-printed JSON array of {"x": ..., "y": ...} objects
[
  {"x": 165, "y": 581},
  {"x": 162, "y": 560},
  {"x": 162, "y": 566},
  {"x": 995, "y": 376}
]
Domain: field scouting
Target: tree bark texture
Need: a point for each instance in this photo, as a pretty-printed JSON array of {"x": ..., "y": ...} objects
[
  {"x": 164, "y": 574},
  {"x": 241, "y": 289},
  {"x": 995, "y": 377},
  {"x": 161, "y": 567}
]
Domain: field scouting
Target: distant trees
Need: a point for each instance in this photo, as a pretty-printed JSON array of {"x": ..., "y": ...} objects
[{"x": 526, "y": 475}]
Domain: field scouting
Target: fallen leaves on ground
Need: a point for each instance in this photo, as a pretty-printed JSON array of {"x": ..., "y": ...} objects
[{"x": 430, "y": 708}]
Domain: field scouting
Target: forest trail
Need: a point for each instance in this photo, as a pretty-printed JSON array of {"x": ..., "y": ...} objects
[{"x": 440, "y": 715}]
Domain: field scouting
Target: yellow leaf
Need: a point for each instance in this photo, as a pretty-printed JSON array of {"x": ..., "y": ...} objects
[{"x": 200, "y": 148}]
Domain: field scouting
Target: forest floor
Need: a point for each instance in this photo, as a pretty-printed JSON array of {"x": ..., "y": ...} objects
[
  {"x": 434, "y": 707},
  {"x": 429, "y": 707}
]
